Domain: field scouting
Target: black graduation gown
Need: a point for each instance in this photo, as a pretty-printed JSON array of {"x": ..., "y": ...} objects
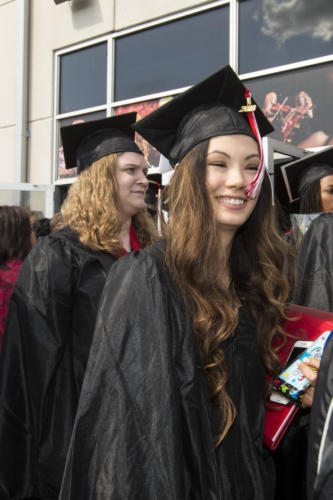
[
  {"x": 145, "y": 427},
  {"x": 48, "y": 333},
  {"x": 313, "y": 288},
  {"x": 320, "y": 449},
  {"x": 314, "y": 276}
]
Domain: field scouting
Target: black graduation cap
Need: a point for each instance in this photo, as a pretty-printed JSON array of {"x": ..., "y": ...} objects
[
  {"x": 209, "y": 108},
  {"x": 299, "y": 174},
  {"x": 85, "y": 143}
]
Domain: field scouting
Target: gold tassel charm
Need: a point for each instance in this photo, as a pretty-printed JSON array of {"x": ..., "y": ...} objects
[{"x": 249, "y": 108}]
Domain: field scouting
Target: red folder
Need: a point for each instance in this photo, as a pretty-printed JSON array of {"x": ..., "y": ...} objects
[{"x": 303, "y": 324}]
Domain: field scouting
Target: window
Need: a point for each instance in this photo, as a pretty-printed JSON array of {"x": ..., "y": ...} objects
[
  {"x": 60, "y": 194},
  {"x": 274, "y": 33},
  {"x": 172, "y": 55},
  {"x": 83, "y": 78},
  {"x": 299, "y": 104},
  {"x": 38, "y": 198},
  {"x": 143, "y": 109}
]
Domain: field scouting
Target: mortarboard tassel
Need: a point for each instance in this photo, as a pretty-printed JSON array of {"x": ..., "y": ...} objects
[{"x": 253, "y": 188}]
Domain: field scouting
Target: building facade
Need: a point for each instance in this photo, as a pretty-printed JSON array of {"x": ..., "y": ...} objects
[{"x": 74, "y": 60}]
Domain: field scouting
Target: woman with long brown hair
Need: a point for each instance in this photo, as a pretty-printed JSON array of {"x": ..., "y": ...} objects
[
  {"x": 173, "y": 401},
  {"x": 16, "y": 241},
  {"x": 54, "y": 303}
]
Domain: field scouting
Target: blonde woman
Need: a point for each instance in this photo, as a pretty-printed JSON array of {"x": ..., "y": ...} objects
[{"x": 54, "y": 304}]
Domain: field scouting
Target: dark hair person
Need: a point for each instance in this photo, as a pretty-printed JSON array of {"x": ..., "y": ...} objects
[
  {"x": 16, "y": 241},
  {"x": 313, "y": 199},
  {"x": 316, "y": 189},
  {"x": 172, "y": 405},
  {"x": 312, "y": 176},
  {"x": 310, "y": 180},
  {"x": 54, "y": 304}
]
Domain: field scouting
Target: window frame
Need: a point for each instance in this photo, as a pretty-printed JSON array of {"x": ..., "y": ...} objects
[
  {"x": 233, "y": 5},
  {"x": 21, "y": 187}
]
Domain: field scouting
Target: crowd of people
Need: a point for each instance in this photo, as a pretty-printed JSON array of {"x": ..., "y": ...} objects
[{"x": 135, "y": 359}]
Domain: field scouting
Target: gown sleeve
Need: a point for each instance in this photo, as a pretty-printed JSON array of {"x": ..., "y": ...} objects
[
  {"x": 40, "y": 367},
  {"x": 142, "y": 429},
  {"x": 31, "y": 348},
  {"x": 314, "y": 274}
]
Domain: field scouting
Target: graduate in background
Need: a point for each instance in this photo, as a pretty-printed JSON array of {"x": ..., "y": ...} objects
[
  {"x": 309, "y": 181},
  {"x": 54, "y": 304},
  {"x": 306, "y": 182}
]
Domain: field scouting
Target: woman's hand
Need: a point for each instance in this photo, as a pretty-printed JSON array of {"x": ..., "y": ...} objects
[{"x": 311, "y": 374}]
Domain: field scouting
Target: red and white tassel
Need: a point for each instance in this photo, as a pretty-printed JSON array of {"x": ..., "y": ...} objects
[{"x": 253, "y": 188}]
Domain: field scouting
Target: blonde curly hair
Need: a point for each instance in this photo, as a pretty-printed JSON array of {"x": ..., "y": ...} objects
[{"x": 91, "y": 210}]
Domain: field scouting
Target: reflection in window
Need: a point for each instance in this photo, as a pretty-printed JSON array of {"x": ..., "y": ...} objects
[
  {"x": 142, "y": 109},
  {"x": 83, "y": 78},
  {"x": 299, "y": 104},
  {"x": 173, "y": 55},
  {"x": 273, "y": 33}
]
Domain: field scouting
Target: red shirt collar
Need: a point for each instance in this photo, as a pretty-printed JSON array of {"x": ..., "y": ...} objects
[{"x": 135, "y": 244}]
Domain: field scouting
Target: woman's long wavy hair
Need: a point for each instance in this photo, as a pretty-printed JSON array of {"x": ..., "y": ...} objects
[
  {"x": 311, "y": 199},
  {"x": 91, "y": 209},
  {"x": 15, "y": 233},
  {"x": 255, "y": 263}
]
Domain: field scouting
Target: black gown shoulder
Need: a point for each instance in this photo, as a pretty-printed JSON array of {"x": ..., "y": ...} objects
[
  {"x": 314, "y": 273},
  {"x": 47, "y": 338},
  {"x": 145, "y": 426}
]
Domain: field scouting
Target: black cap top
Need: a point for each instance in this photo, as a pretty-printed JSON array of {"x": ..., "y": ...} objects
[
  {"x": 85, "y": 143},
  {"x": 208, "y": 109},
  {"x": 299, "y": 174}
]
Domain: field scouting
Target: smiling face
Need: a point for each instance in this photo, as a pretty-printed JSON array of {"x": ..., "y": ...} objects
[
  {"x": 132, "y": 183},
  {"x": 232, "y": 163},
  {"x": 326, "y": 192}
]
